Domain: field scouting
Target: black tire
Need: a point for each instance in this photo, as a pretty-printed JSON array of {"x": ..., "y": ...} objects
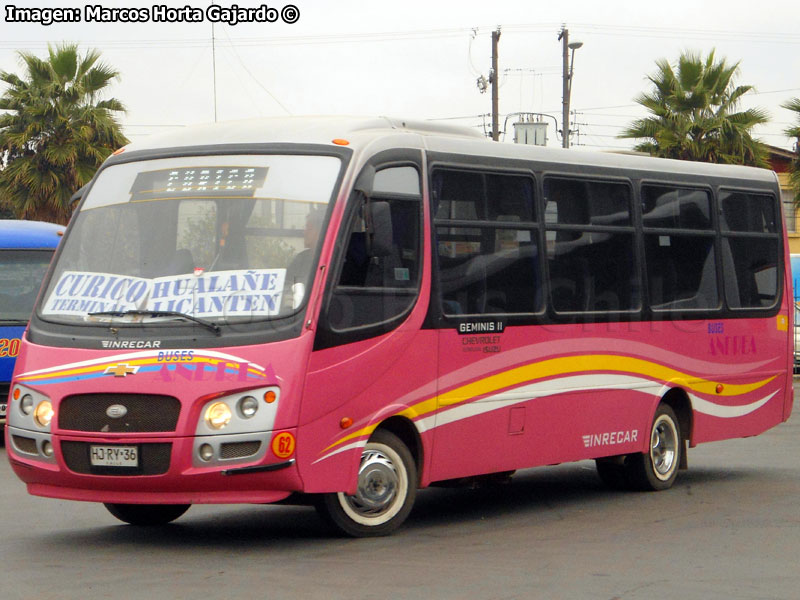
[
  {"x": 657, "y": 469},
  {"x": 387, "y": 487},
  {"x": 612, "y": 472},
  {"x": 147, "y": 514}
]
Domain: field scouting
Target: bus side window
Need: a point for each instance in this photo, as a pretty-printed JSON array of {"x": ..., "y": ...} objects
[
  {"x": 590, "y": 245},
  {"x": 679, "y": 248},
  {"x": 750, "y": 249},
  {"x": 486, "y": 243}
]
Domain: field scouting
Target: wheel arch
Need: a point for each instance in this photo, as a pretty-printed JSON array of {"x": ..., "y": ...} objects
[
  {"x": 678, "y": 400},
  {"x": 404, "y": 429}
]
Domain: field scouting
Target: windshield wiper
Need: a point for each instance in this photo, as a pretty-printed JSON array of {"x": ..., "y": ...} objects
[{"x": 157, "y": 313}]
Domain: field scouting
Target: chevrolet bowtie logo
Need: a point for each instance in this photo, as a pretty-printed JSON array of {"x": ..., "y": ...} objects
[{"x": 121, "y": 370}]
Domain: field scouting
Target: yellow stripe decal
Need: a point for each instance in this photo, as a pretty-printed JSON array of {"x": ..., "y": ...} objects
[
  {"x": 140, "y": 362},
  {"x": 558, "y": 367}
]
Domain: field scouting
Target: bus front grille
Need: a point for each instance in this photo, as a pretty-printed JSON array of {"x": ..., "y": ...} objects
[
  {"x": 25, "y": 445},
  {"x": 132, "y": 413},
  {"x": 239, "y": 449}
]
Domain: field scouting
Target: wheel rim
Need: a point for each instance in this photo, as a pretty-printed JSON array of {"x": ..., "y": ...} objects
[
  {"x": 664, "y": 447},
  {"x": 382, "y": 487}
]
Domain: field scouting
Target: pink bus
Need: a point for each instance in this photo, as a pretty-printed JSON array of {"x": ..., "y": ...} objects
[{"x": 343, "y": 311}]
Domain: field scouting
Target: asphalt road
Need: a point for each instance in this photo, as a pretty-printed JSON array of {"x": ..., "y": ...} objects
[{"x": 729, "y": 528}]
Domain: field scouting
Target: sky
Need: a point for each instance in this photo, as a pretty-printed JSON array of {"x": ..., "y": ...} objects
[{"x": 419, "y": 59}]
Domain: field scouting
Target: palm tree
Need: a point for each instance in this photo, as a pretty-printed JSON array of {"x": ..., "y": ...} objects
[
  {"x": 794, "y": 177},
  {"x": 56, "y": 130},
  {"x": 693, "y": 114}
]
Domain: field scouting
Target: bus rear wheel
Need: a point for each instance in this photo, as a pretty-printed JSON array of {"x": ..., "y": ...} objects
[
  {"x": 657, "y": 468},
  {"x": 387, "y": 487},
  {"x": 147, "y": 514}
]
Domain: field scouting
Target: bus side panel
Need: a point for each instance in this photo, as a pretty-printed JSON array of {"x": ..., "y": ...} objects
[
  {"x": 529, "y": 396},
  {"x": 552, "y": 428},
  {"x": 535, "y": 395},
  {"x": 752, "y": 399},
  {"x": 365, "y": 382}
]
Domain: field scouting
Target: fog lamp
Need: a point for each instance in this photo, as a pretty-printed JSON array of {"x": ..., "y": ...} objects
[{"x": 206, "y": 452}]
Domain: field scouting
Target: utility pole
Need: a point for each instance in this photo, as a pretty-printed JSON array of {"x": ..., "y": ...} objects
[
  {"x": 493, "y": 77},
  {"x": 566, "y": 90},
  {"x": 564, "y": 37}
]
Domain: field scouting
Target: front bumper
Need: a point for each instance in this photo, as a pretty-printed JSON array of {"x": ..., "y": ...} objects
[{"x": 166, "y": 473}]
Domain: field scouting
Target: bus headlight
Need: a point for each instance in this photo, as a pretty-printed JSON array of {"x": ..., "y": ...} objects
[
  {"x": 43, "y": 413},
  {"x": 218, "y": 415},
  {"x": 26, "y": 404},
  {"x": 248, "y": 406}
]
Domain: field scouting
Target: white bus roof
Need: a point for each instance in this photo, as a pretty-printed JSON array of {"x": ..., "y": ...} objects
[
  {"x": 430, "y": 135},
  {"x": 297, "y": 130}
]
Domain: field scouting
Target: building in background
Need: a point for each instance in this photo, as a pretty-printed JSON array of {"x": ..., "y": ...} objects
[{"x": 780, "y": 161}]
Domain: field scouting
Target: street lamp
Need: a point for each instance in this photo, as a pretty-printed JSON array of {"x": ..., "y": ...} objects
[{"x": 568, "y": 65}]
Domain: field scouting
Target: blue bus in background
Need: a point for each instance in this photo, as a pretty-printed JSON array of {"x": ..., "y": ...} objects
[
  {"x": 795, "y": 258},
  {"x": 26, "y": 248}
]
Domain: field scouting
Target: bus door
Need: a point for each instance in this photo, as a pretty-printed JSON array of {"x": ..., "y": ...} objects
[
  {"x": 372, "y": 359},
  {"x": 488, "y": 278}
]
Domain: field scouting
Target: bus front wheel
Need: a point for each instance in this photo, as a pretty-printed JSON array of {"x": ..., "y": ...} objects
[
  {"x": 387, "y": 487},
  {"x": 657, "y": 468},
  {"x": 147, "y": 514}
]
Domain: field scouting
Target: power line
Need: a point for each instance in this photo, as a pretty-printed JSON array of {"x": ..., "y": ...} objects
[
  {"x": 410, "y": 35},
  {"x": 253, "y": 77}
]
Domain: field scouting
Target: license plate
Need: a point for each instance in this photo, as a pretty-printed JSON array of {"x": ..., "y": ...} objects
[{"x": 114, "y": 456}]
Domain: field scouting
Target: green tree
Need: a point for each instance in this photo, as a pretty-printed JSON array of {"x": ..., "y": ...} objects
[
  {"x": 56, "y": 130},
  {"x": 794, "y": 132},
  {"x": 693, "y": 114}
]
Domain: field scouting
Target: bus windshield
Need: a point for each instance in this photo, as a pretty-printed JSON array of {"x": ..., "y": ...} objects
[
  {"x": 21, "y": 274},
  {"x": 217, "y": 238}
]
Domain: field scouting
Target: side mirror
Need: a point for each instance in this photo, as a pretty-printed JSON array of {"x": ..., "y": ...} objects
[
  {"x": 379, "y": 228},
  {"x": 78, "y": 195}
]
